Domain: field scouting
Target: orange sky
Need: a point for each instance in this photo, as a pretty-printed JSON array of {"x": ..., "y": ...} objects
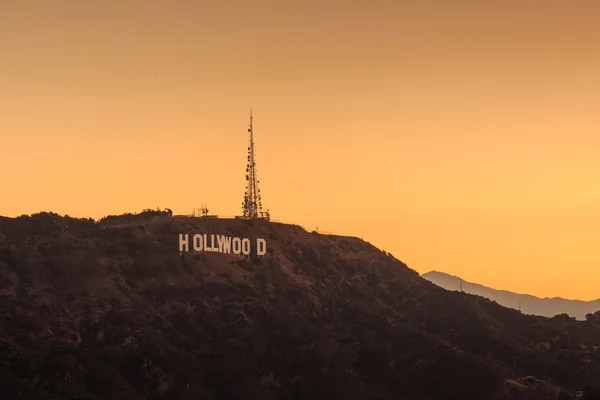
[{"x": 461, "y": 136}]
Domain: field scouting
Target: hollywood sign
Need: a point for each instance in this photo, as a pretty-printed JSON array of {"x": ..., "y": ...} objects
[{"x": 221, "y": 244}]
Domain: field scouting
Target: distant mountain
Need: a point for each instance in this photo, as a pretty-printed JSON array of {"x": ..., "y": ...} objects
[{"x": 547, "y": 307}]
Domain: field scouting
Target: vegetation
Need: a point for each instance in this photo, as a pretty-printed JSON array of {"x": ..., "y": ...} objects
[
  {"x": 111, "y": 310},
  {"x": 595, "y": 317},
  {"x": 146, "y": 214}
]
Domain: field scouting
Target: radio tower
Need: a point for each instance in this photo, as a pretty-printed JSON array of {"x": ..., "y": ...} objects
[{"x": 252, "y": 205}]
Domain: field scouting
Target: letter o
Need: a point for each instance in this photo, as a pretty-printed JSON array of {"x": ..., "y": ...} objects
[
  {"x": 246, "y": 246},
  {"x": 236, "y": 245},
  {"x": 198, "y": 243}
]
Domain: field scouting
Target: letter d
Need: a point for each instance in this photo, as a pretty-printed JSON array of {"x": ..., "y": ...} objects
[{"x": 261, "y": 247}]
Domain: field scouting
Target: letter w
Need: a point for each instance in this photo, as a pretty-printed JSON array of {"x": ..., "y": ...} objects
[{"x": 224, "y": 244}]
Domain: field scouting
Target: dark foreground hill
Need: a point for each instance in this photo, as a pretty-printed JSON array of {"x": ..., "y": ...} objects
[
  {"x": 547, "y": 307},
  {"x": 111, "y": 310}
]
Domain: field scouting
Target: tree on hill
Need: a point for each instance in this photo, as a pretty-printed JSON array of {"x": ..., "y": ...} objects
[
  {"x": 593, "y": 317},
  {"x": 591, "y": 392}
]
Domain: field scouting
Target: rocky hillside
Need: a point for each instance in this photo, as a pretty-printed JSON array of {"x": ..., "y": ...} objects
[
  {"x": 112, "y": 310},
  {"x": 547, "y": 307}
]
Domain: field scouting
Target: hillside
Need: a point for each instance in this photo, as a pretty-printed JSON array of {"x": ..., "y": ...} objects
[
  {"x": 112, "y": 310},
  {"x": 547, "y": 307}
]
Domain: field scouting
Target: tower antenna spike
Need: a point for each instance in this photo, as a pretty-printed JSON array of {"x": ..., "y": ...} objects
[{"x": 252, "y": 205}]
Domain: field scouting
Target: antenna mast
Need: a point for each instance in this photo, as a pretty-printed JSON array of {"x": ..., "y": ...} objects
[{"x": 252, "y": 205}]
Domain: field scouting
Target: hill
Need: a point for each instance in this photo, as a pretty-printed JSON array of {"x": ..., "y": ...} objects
[
  {"x": 547, "y": 307},
  {"x": 111, "y": 310}
]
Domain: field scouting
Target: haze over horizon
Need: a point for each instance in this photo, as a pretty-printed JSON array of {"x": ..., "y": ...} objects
[
  {"x": 427, "y": 275},
  {"x": 461, "y": 137}
]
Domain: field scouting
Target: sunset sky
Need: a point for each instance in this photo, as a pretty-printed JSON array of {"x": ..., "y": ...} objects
[{"x": 461, "y": 136}]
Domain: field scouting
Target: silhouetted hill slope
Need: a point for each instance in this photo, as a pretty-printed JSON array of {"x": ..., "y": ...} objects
[
  {"x": 111, "y": 310},
  {"x": 547, "y": 307}
]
